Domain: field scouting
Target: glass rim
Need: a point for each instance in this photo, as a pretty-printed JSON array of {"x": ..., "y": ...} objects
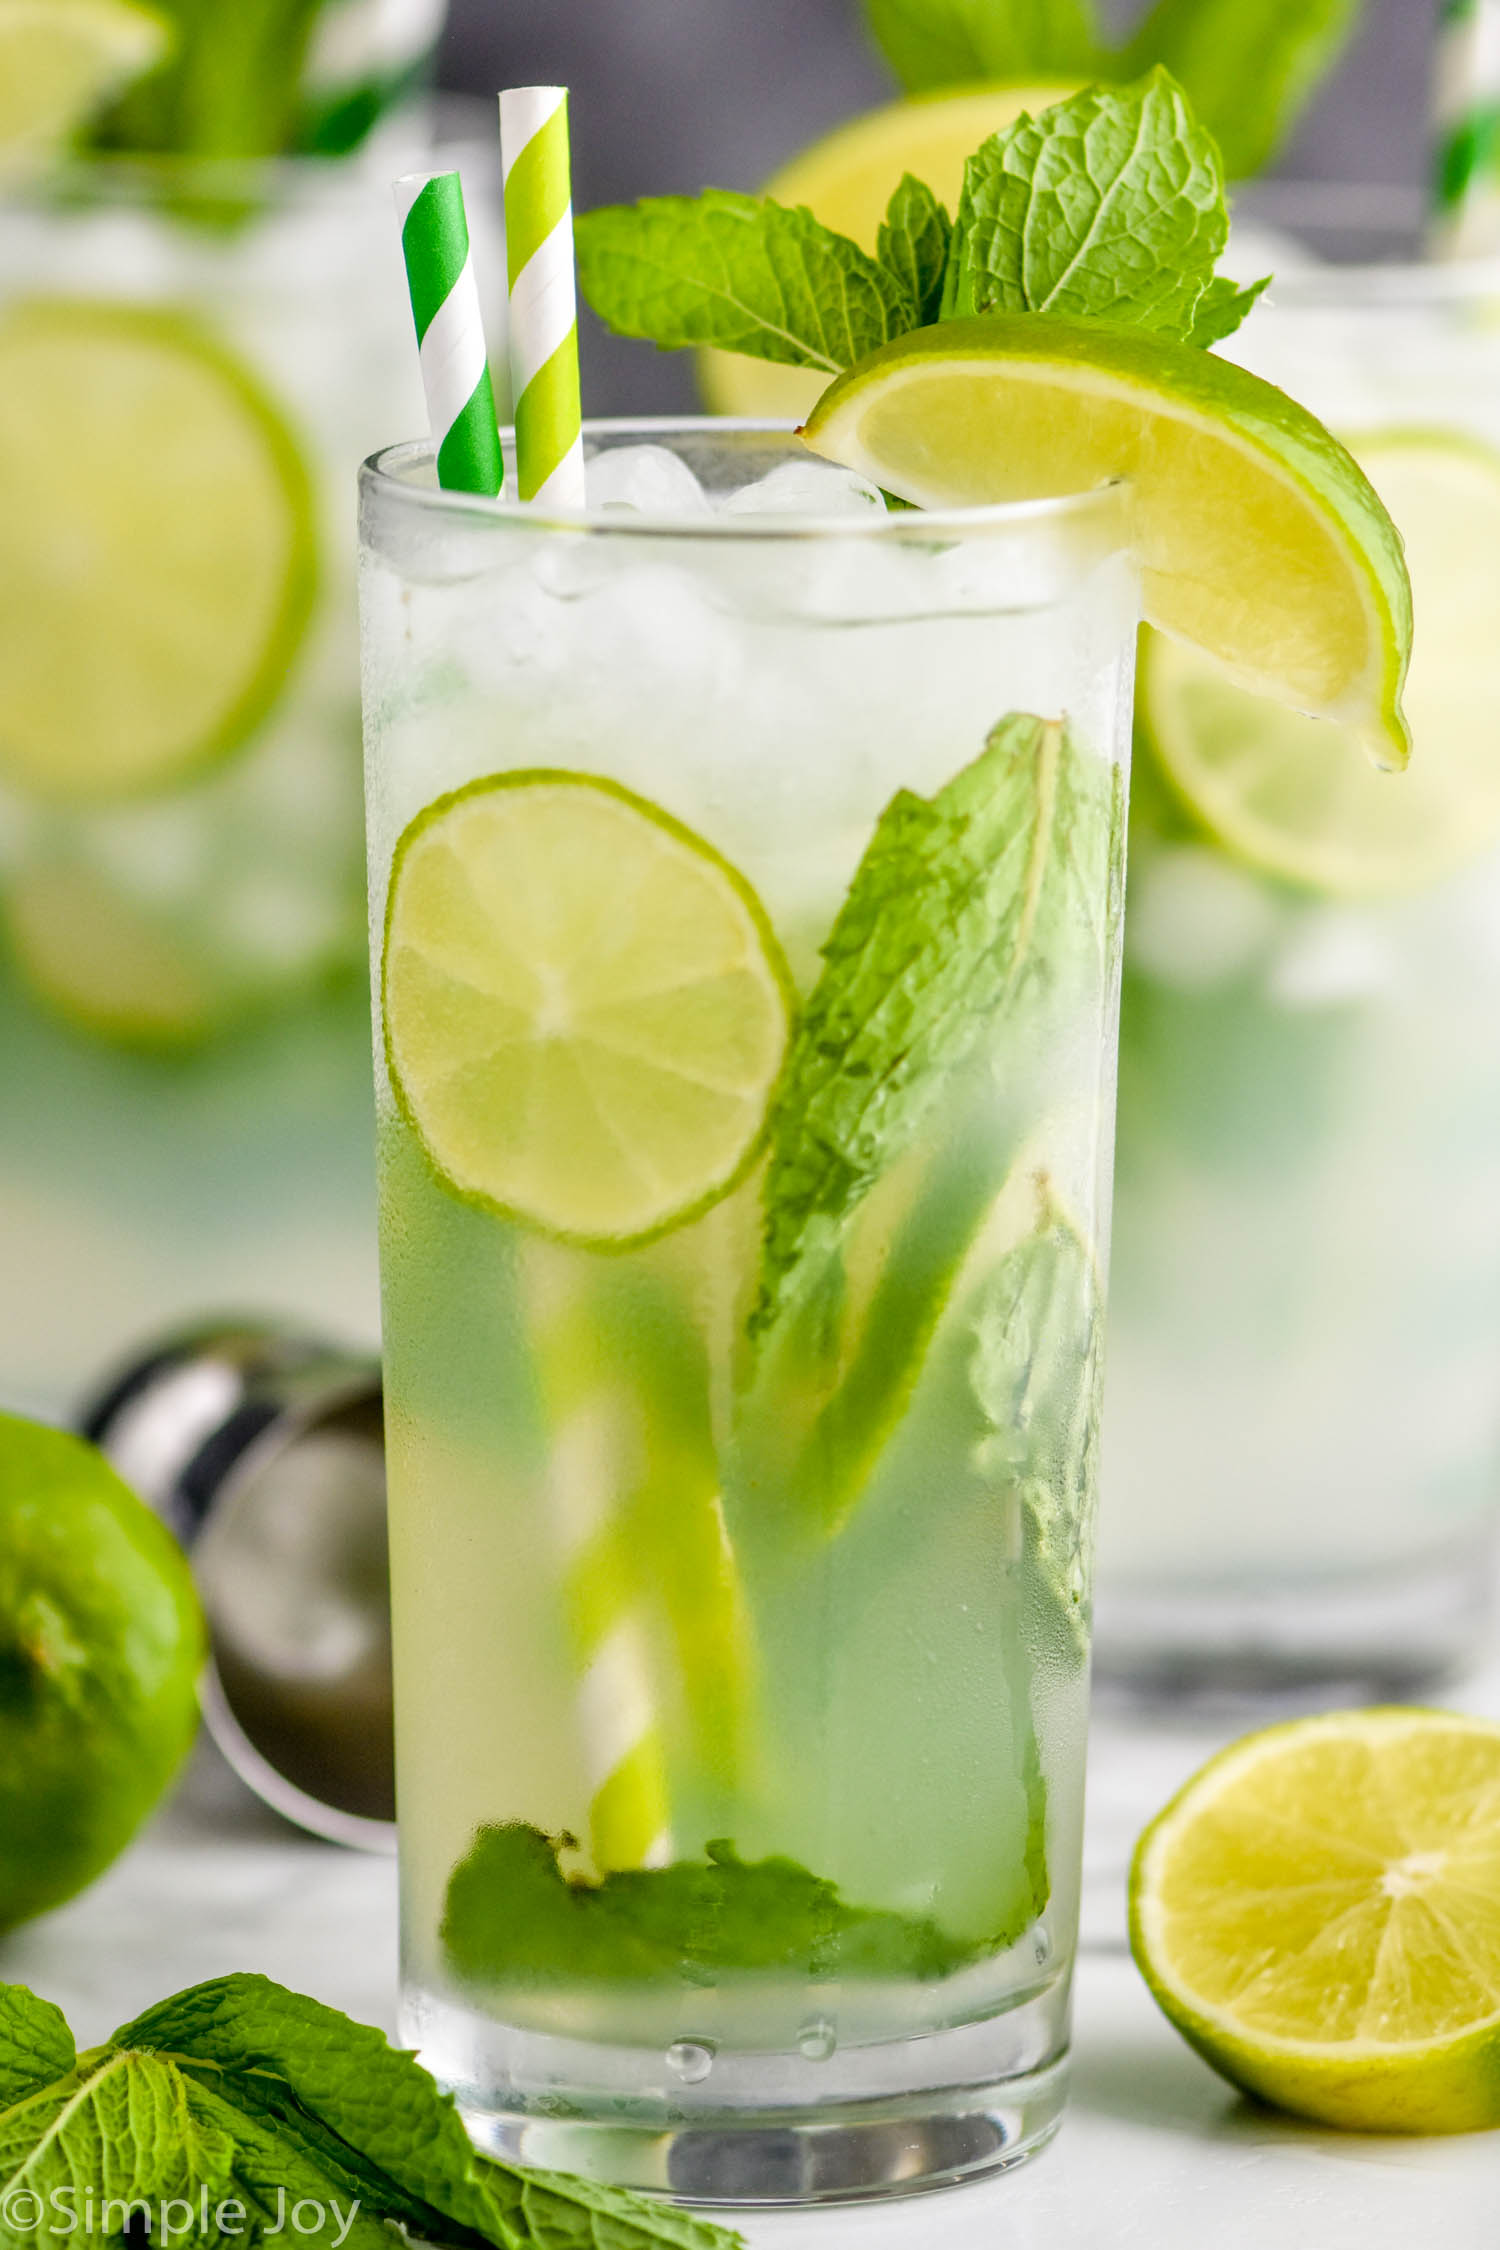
[
  {"x": 379, "y": 473},
  {"x": 1361, "y": 213}
]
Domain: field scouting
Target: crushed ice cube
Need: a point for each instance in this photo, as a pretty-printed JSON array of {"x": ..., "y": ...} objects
[
  {"x": 649, "y": 478},
  {"x": 805, "y": 488}
]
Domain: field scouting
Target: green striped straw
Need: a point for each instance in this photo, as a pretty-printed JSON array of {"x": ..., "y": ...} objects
[
  {"x": 543, "y": 299},
  {"x": 593, "y": 1454},
  {"x": 1466, "y": 115},
  {"x": 450, "y": 332}
]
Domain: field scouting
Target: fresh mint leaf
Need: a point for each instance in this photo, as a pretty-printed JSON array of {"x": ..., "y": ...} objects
[
  {"x": 913, "y": 245},
  {"x": 514, "y": 1918},
  {"x": 1249, "y": 66},
  {"x": 36, "y": 2046},
  {"x": 966, "y": 911},
  {"x": 1109, "y": 205},
  {"x": 1222, "y": 307},
  {"x": 230, "y": 85},
  {"x": 741, "y": 272},
  {"x": 238, "y": 2091},
  {"x": 947, "y": 42}
]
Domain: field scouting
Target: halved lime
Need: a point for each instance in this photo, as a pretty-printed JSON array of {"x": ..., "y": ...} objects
[
  {"x": 846, "y": 180},
  {"x": 1299, "y": 798},
  {"x": 1318, "y": 1912},
  {"x": 586, "y": 1008},
  {"x": 1259, "y": 538},
  {"x": 156, "y": 568},
  {"x": 61, "y": 59}
]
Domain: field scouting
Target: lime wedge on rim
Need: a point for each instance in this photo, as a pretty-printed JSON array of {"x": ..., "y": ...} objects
[
  {"x": 1318, "y": 1913},
  {"x": 157, "y": 568},
  {"x": 846, "y": 179},
  {"x": 60, "y": 60},
  {"x": 1298, "y": 798},
  {"x": 585, "y": 1007},
  {"x": 1259, "y": 538}
]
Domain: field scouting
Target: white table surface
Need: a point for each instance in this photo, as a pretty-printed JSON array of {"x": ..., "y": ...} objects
[{"x": 1156, "y": 2151}]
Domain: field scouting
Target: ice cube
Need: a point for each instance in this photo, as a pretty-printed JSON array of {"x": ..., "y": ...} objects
[
  {"x": 805, "y": 488},
  {"x": 648, "y": 478}
]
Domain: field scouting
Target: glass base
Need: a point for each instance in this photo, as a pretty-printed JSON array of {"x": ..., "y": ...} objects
[
  {"x": 1379, "y": 1635},
  {"x": 757, "y": 2129}
]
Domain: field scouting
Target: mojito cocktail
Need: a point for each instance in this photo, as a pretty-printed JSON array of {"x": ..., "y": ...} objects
[
  {"x": 1304, "y": 1449},
  {"x": 745, "y": 896}
]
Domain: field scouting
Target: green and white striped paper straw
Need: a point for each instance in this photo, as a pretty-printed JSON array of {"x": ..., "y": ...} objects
[
  {"x": 1466, "y": 116},
  {"x": 543, "y": 298},
  {"x": 450, "y": 332},
  {"x": 594, "y": 1451}
]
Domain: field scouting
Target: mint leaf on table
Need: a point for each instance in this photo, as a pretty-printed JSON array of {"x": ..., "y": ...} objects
[
  {"x": 741, "y": 272},
  {"x": 1249, "y": 66},
  {"x": 967, "y": 909},
  {"x": 1110, "y": 204},
  {"x": 240, "y": 2092},
  {"x": 514, "y": 1918},
  {"x": 931, "y": 43},
  {"x": 36, "y": 2046},
  {"x": 913, "y": 245}
]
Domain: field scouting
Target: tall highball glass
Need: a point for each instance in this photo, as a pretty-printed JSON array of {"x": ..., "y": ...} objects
[{"x": 745, "y": 899}]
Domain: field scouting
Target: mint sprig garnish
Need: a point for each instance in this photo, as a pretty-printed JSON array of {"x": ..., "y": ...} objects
[
  {"x": 1109, "y": 205},
  {"x": 238, "y": 2096},
  {"x": 1249, "y": 66},
  {"x": 741, "y": 272}
]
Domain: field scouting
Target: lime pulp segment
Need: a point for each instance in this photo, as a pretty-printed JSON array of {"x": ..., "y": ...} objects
[
  {"x": 585, "y": 1007},
  {"x": 156, "y": 574},
  {"x": 1259, "y": 539},
  {"x": 1318, "y": 1912},
  {"x": 1297, "y": 797}
]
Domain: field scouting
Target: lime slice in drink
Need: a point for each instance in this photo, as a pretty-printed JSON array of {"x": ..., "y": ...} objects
[
  {"x": 585, "y": 1006},
  {"x": 157, "y": 566},
  {"x": 60, "y": 60},
  {"x": 846, "y": 180},
  {"x": 1318, "y": 1913},
  {"x": 1300, "y": 799},
  {"x": 1259, "y": 538}
]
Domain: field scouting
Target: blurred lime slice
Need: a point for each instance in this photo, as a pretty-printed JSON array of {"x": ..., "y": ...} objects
[
  {"x": 1300, "y": 799},
  {"x": 846, "y": 180},
  {"x": 1260, "y": 541},
  {"x": 1318, "y": 1912},
  {"x": 100, "y": 961},
  {"x": 157, "y": 567},
  {"x": 62, "y": 59},
  {"x": 585, "y": 1007}
]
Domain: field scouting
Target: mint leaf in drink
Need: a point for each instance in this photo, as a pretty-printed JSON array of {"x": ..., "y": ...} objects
[
  {"x": 913, "y": 245},
  {"x": 1249, "y": 66},
  {"x": 1036, "y": 1370},
  {"x": 967, "y": 910},
  {"x": 230, "y": 85},
  {"x": 932, "y": 43},
  {"x": 741, "y": 272},
  {"x": 1110, "y": 204},
  {"x": 1222, "y": 307},
  {"x": 243, "y": 2099},
  {"x": 514, "y": 1919}
]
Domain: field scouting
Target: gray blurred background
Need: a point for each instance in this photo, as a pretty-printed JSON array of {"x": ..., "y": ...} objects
[{"x": 669, "y": 96}]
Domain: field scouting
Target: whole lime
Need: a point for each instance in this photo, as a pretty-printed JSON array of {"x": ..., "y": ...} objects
[{"x": 101, "y": 1641}]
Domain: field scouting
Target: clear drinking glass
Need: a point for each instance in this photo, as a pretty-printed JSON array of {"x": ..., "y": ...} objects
[
  {"x": 741, "y": 1654},
  {"x": 1303, "y": 1463},
  {"x": 184, "y": 1108}
]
